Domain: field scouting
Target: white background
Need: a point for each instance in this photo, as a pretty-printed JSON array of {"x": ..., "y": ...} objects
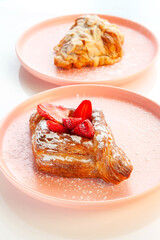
[{"x": 22, "y": 217}]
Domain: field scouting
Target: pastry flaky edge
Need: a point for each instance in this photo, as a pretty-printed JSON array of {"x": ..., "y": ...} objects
[
  {"x": 91, "y": 41},
  {"x": 74, "y": 156}
]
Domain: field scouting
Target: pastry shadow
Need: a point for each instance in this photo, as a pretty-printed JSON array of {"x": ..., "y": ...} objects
[
  {"x": 141, "y": 84},
  {"x": 31, "y": 84},
  {"x": 106, "y": 223}
]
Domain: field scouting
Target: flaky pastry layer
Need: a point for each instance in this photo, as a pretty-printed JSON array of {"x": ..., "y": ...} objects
[
  {"x": 74, "y": 156},
  {"x": 91, "y": 41}
]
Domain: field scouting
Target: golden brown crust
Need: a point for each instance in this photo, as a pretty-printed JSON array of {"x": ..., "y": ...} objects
[
  {"x": 61, "y": 154},
  {"x": 91, "y": 41},
  {"x": 111, "y": 162},
  {"x": 74, "y": 156}
]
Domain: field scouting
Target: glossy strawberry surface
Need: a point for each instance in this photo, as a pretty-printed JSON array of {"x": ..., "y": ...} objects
[
  {"x": 84, "y": 110},
  {"x": 52, "y": 112},
  {"x": 71, "y": 122},
  {"x": 84, "y": 129},
  {"x": 56, "y": 127}
]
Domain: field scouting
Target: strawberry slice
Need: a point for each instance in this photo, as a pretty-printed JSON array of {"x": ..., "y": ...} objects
[
  {"x": 84, "y": 129},
  {"x": 84, "y": 110},
  {"x": 56, "y": 127},
  {"x": 71, "y": 122},
  {"x": 52, "y": 112}
]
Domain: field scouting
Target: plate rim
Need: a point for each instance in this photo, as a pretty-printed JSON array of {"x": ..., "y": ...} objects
[
  {"x": 61, "y": 81},
  {"x": 61, "y": 201}
]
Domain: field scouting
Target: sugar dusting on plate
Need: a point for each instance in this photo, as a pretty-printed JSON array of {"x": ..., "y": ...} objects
[
  {"x": 138, "y": 49},
  {"x": 135, "y": 130}
]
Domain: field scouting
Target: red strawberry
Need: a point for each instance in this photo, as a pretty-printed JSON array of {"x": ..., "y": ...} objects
[
  {"x": 52, "y": 112},
  {"x": 71, "y": 122},
  {"x": 84, "y": 110},
  {"x": 56, "y": 127},
  {"x": 84, "y": 129}
]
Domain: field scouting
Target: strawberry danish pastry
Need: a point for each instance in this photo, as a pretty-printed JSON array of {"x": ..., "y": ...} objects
[{"x": 77, "y": 143}]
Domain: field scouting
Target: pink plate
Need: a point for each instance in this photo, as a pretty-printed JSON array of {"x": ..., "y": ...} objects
[
  {"x": 135, "y": 122},
  {"x": 35, "y": 51}
]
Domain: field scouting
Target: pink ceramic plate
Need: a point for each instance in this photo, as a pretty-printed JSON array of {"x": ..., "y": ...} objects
[
  {"x": 135, "y": 122},
  {"x": 35, "y": 51}
]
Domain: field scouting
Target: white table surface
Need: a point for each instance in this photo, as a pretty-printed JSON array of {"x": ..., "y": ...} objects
[{"x": 22, "y": 217}]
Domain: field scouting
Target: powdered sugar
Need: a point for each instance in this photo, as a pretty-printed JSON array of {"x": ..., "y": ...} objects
[
  {"x": 88, "y": 144},
  {"x": 47, "y": 157},
  {"x": 138, "y": 53},
  {"x": 76, "y": 139},
  {"x": 135, "y": 130}
]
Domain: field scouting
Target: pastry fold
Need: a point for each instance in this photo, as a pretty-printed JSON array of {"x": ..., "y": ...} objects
[
  {"x": 91, "y": 41},
  {"x": 69, "y": 155}
]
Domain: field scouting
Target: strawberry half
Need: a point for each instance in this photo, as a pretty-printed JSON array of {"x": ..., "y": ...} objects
[
  {"x": 56, "y": 127},
  {"x": 71, "y": 122},
  {"x": 84, "y": 110},
  {"x": 52, "y": 112},
  {"x": 84, "y": 129}
]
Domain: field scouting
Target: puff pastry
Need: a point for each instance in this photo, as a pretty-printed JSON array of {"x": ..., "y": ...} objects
[
  {"x": 91, "y": 41},
  {"x": 74, "y": 156}
]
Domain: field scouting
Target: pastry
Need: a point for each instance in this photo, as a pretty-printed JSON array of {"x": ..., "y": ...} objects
[
  {"x": 80, "y": 145},
  {"x": 91, "y": 41},
  {"x": 70, "y": 150}
]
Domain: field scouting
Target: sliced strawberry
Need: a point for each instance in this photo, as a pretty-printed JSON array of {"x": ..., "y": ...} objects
[
  {"x": 84, "y": 110},
  {"x": 71, "y": 122},
  {"x": 84, "y": 129},
  {"x": 52, "y": 112},
  {"x": 56, "y": 127}
]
